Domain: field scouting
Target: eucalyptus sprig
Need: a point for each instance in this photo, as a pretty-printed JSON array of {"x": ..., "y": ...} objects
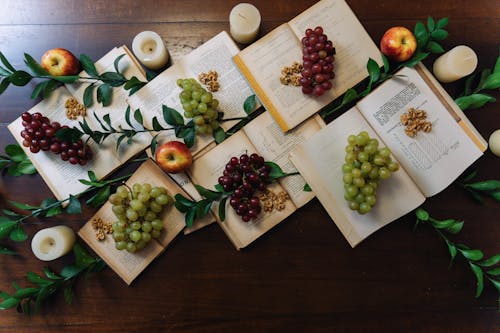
[
  {"x": 105, "y": 82},
  {"x": 16, "y": 162},
  {"x": 478, "y": 189},
  {"x": 11, "y": 222},
  {"x": 475, "y": 98},
  {"x": 481, "y": 268},
  {"x": 198, "y": 209},
  {"x": 29, "y": 300}
]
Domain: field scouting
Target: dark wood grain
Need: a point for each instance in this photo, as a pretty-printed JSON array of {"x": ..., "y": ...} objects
[{"x": 300, "y": 277}]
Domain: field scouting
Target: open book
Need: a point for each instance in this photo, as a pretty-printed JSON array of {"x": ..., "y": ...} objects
[
  {"x": 264, "y": 137},
  {"x": 261, "y": 62},
  {"x": 429, "y": 161},
  {"x": 62, "y": 177},
  {"x": 129, "y": 265}
]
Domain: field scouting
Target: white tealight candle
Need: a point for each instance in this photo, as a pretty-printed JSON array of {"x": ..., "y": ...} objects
[
  {"x": 455, "y": 64},
  {"x": 494, "y": 142},
  {"x": 150, "y": 49},
  {"x": 51, "y": 243},
  {"x": 244, "y": 23}
]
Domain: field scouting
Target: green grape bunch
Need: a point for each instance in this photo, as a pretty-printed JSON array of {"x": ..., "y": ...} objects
[
  {"x": 200, "y": 105},
  {"x": 365, "y": 166},
  {"x": 138, "y": 210}
]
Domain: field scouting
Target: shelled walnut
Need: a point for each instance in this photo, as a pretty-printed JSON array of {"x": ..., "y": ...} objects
[
  {"x": 101, "y": 227},
  {"x": 74, "y": 109},
  {"x": 415, "y": 120},
  {"x": 271, "y": 201},
  {"x": 210, "y": 80},
  {"x": 291, "y": 75}
]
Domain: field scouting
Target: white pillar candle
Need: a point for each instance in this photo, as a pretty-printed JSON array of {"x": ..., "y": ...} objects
[
  {"x": 455, "y": 64},
  {"x": 150, "y": 49},
  {"x": 244, "y": 23},
  {"x": 494, "y": 142},
  {"x": 51, "y": 243}
]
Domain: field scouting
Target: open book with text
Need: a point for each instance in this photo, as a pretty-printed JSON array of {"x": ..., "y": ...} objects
[
  {"x": 429, "y": 161},
  {"x": 262, "y": 62}
]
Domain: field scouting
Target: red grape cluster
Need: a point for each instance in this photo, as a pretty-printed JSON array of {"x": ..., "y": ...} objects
[
  {"x": 318, "y": 56},
  {"x": 244, "y": 176},
  {"x": 40, "y": 134}
]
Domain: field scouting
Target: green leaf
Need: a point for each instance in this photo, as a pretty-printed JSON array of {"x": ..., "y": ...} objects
[
  {"x": 74, "y": 206},
  {"x": 37, "y": 279},
  {"x": 494, "y": 271},
  {"x": 24, "y": 293},
  {"x": 473, "y": 101},
  {"x": 209, "y": 194},
  {"x": 495, "y": 195},
  {"x": 189, "y": 217},
  {"x": 65, "y": 79},
  {"x": 492, "y": 82},
  {"x": 38, "y": 89},
  {"x": 455, "y": 228},
  {"x": 9, "y": 303},
  {"x": 434, "y": 47},
  {"x": 442, "y": 224},
  {"x": 69, "y": 295},
  {"x": 34, "y": 66},
  {"x": 171, "y": 116},
  {"x": 71, "y": 271},
  {"x": 88, "y": 65},
  {"x": 418, "y": 57},
  {"x": 4, "y": 72},
  {"x": 492, "y": 261},
  {"x": 134, "y": 81},
  {"x": 222, "y": 209},
  {"x": 349, "y": 96},
  {"x": 276, "y": 172},
  {"x": 154, "y": 144},
  {"x": 107, "y": 120},
  {"x": 385, "y": 60},
  {"x": 373, "y": 70},
  {"x": 49, "y": 88},
  {"x": 307, "y": 188},
  {"x": 478, "y": 272},
  {"x": 184, "y": 201},
  {"x": 156, "y": 125},
  {"x": 439, "y": 34},
  {"x": 23, "y": 206},
  {"x": 422, "y": 214},
  {"x": 113, "y": 79},
  {"x": 180, "y": 207},
  {"x": 83, "y": 258},
  {"x": 88, "y": 94},
  {"x": 6, "y": 63},
  {"x": 104, "y": 94},
  {"x": 7, "y": 251},
  {"x": 468, "y": 85},
  {"x": 100, "y": 197},
  {"x": 20, "y": 78},
  {"x": 470, "y": 254},
  {"x": 421, "y": 34},
  {"x": 138, "y": 117},
  {"x": 219, "y": 135},
  {"x": 4, "y": 85},
  {"x": 202, "y": 208},
  {"x": 452, "y": 250},
  {"x": 15, "y": 152},
  {"x": 442, "y": 23},
  {"x": 18, "y": 234},
  {"x": 487, "y": 185},
  {"x": 51, "y": 275},
  {"x": 117, "y": 62},
  {"x": 6, "y": 227},
  {"x": 189, "y": 136},
  {"x": 249, "y": 104},
  {"x": 431, "y": 24},
  {"x": 127, "y": 117}
]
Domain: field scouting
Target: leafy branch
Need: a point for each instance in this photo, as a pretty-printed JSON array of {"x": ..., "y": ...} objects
[
  {"x": 11, "y": 221},
  {"x": 16, "y": 162},
  {"x": 477, "y": 189},
  {"x": 427, "y": 43},
  {"x": 28, "y": 300},
  {"x": 198, "y": 209},
  {"x": 104, "y": 82},
  {"x": 481, "y": 268},
  {"x": 473, "y": 98}
]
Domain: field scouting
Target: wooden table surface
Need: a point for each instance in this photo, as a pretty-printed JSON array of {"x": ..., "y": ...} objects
[{"x": 300, "y": 277}]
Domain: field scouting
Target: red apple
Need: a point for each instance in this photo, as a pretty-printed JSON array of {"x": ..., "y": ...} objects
[
  {"x": 60, "y": 62},
  {"x": 398, "y": 44},
  {"x": 173, "y": 157}
]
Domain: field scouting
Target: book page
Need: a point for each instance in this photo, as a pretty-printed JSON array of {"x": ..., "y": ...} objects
[
  {"x": 62, "y": 177},
  {"x": 208, "y": 168},
  {"x": 262, "y": 61},
  {"x": 275, "y": 146},
  {"x": 320, "y": 161},
  {"x": 117, "y": 108},
  {"x": 129, "y": 265},
  {"x": 435, "y": 159}
]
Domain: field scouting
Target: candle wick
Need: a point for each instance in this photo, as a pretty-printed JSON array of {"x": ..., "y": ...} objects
[{"x": 244, "y": 17}]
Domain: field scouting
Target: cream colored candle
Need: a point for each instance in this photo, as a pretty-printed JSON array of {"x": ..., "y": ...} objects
[
  {"x": 51, "y": 243},
  {"x": 150, "y": 49},
  {"x": 494, "y": 142},
  {"x": 244, "y": 23},
  {"x": 455, "y": 64}
]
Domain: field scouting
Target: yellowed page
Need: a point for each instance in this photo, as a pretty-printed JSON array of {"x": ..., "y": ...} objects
[
  {"x": 61, "y": 176},
  {"x": 208, "y": 168},
  {"x": 262, "y": 61},
  {"x": 275, "y": 146},
  {"x": 320, "y": 161},
  {"x": 434, "y": 160},
  {"x": 129, "y": 265}
]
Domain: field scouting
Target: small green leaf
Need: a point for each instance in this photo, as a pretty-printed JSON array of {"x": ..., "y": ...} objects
[
  {"x": 71, "y": 271},
  {"x": 6, "y": 228},
  {"x": 49, "y": 88},
  {"x": 20, "y": 78},
  {"x": 83, "y": 258},
  {"x": 38, "y": 89},
  {"x": 171, "y": 116},
  {"x": 491, "y": 261},
  {"x": 189, "y": 217},
  {"x": 127, "y": 117},
  {"x": 156, "y": 125},
  {"x": 468, "y": 85},
  {"x": 222, "y": 209},
  {"x": 452, "y": 250},
  {"x": 88, "y": 65},
  {"x": 4, "y": 72},
  {"x": 34, "y": 66},
  {"x": 387, "y": 65},
  {"x": 37, "y": 279},
  {"x": 276, "y": 172},
  {"x": 478, "y": 272},
  {"x": 134, "y": 81},
  {"x": 4, "y": 85},
  {"x": 24, "y": 293},
  {"x": 104, "y": 94},
  {"x": 439, "y": 34},
  {"x": 349, "y": 96},
  {"x": 418, "y": 57},
  {"x": 18, "y": 234},
  {"x": 455, "y": 228},
  {"x": 9, "y": 303},
  {"x": 422, "y": 214},
  {"x": 117, "y": 62},
  {"x": 107, "y": 120},
  {"x": 100, "y": 197},
  {"x": 15, "y": 152},
  {"x": 7, "y": 251},
  {"x": 434, "y": 47},
  {"x": 219, "y": 135},
  {"x": 209, "y": 194},
  {"x": 307, "y": 188},
  {"x": 470, "y": 254},
  {"x": 138, "y": 117},
  {"x": 421, "y": 34},
  {"x": 495, "y": 195},
  {"x": 184, "y": 201},
  {"x": 154, "y": 144},
  {"x": 492, "y": 82},
  {"x": 494, "y": 271},
  {"x": 6, "y": 63},
  {"x": 22, "y": 205},
  {"x": 470, "y": 176},
  {"x": 373, "y": 70},
  {"x": 180, "y": 207},
  {"x": 189, "y": 136},
  {"x": 113, "y": 79},
  {"x": 249, "y": 104},
  {"x": 442, "y": 224},
  {"x": 431, "y": 24},
  {"x": 202, "y": 208},
  {"x": 92, "y": 176},
  {"x": 474, "y": 101},
  {"x": 487, "y": 185},
  {"x": 51, "y": 275},
  {"x": 88, "y": 94},
  {"x": 442, "y": 23},
  {"x": 69, "y": 294},
  {"x": 74, "y": 206}
]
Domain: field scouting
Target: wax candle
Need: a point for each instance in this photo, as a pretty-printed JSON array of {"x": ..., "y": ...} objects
[
  {"x": 244, "y": 23},
  {"x": 150, "y": 49},
  {"x": 52, "y": 243},
  {"x": 494, "y": 142},
  {"x": 455, "y": 64}
]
